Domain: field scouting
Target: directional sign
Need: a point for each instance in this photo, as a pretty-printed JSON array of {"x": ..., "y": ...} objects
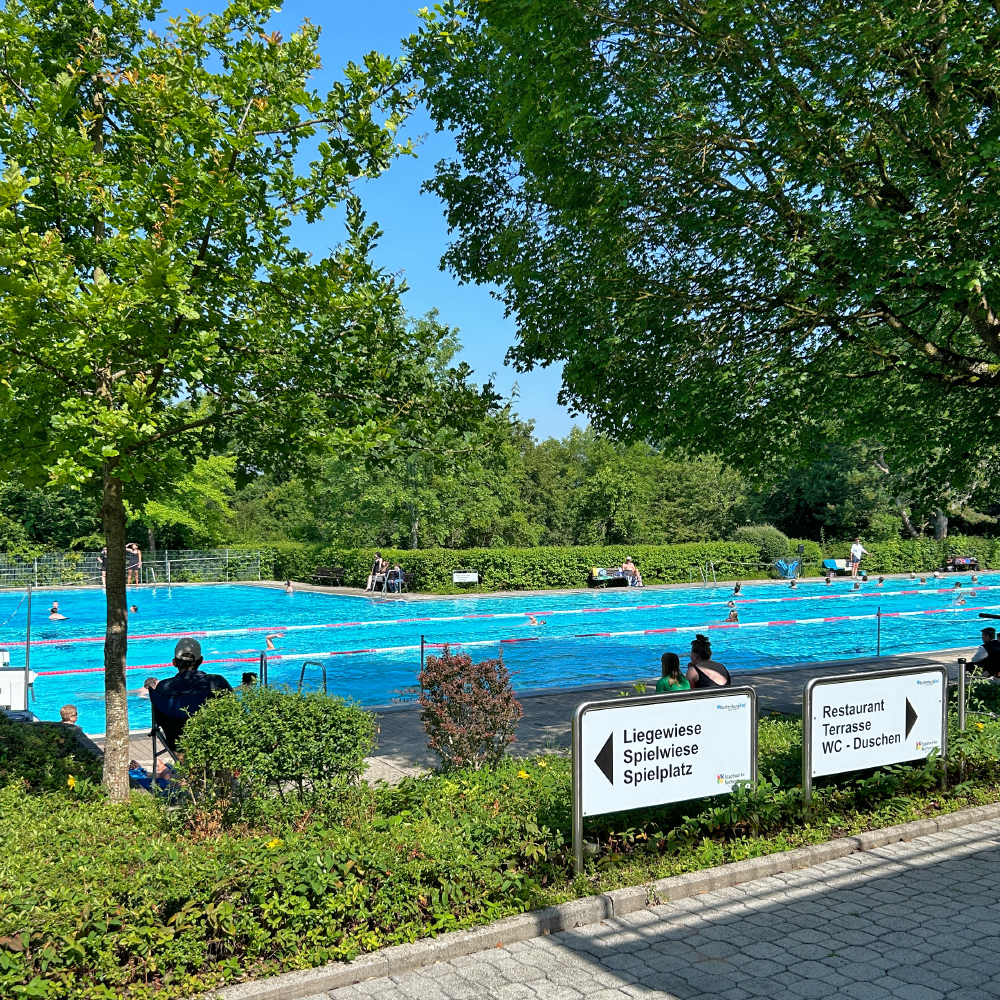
[
  {"x": 640, "y": 752},
  {"x": 856, "y": 721}
]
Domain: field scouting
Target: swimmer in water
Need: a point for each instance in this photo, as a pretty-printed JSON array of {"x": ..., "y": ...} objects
[
  {"x": 937, "y": 574},
  {"x": 793, "y": 584},
  {"x": 535, "y": 620},
  {"x": 734, "y": 616},
  {"x": 857, "y": 585},
  {"x": 960, "y": 600},
  {"x": 958, "y": 584},
  {"x": 864, "y": 577},
  {"x": 923, "y": 580},
  {"x": 54, "y": 613},
  {"x": 975, "y": 579},
  {"x": 737, "y": 589},
  {"x": 134, "y": 609},
  {"x": 269, "y": 640},
  {"x": 913, "y": 575},
  {"x": 881, "y": 580},
  {"x": 829, "y": 581},
  {"x": 289, "y": 589}
]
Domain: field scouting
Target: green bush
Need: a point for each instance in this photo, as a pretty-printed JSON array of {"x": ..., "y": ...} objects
[
  {"x": 103, "y": 900},
  {"x": 770, "y": 543},
  {"x": 522, "y": 569},
  {"x": 248, "y": 746},
  {"x": 43, "y": 756},
  {"x": 921, "y": 555}
]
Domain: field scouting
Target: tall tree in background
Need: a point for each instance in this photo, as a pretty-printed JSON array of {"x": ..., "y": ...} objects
[
  {"x": 153, "y": 304},
  {"x": 749, "y": 227}
]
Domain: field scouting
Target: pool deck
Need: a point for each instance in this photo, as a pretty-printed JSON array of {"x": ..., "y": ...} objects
[{"x": 402, "y": 747}]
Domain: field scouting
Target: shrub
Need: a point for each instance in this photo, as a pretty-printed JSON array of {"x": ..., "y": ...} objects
[
  {"x": 521, "y": 569},
  {"x": 770, "y": 543},
  {"x": 43, "y": 756},
  {"x": 468, "y": 709},
  {"x": 243, "y": 747}
]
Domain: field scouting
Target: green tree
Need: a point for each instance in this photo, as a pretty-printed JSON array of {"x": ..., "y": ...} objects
[
  {"x": 757, "y": 228},
  {"x": 154, "y": 306}
]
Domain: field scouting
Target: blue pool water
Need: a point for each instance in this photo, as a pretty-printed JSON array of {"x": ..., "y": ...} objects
[{"x": 599, "y": 636}]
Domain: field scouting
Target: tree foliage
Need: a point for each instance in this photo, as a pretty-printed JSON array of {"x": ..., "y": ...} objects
[
  {"x": 742, "y": 227},
  {"x": 153, "y": 305}
]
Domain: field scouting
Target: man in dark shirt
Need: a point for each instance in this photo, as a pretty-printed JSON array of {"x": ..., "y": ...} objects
[
  {"x": 987, "y": 657},
  {"x": 189, "y": 685},
  {"x": 189, "y": 679}
]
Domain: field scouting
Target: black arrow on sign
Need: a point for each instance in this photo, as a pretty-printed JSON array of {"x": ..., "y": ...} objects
[
  {"x": 605, "y": 760},
  {"x": 911, "y": 718}
]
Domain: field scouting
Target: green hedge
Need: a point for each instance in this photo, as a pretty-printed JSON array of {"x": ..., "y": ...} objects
[
  {"x": 523, "y": 569},
  {"x": 922, "y": 555}
]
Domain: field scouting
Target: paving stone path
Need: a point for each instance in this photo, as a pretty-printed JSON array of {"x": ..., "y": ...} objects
[{"x": 919, "y": 921}]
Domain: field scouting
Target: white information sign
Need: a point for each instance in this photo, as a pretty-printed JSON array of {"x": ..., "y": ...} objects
[
  {"x": 860, "y": 721},
  {"x": 463, "y": 577},
  {"x": 640, "y": 752}
]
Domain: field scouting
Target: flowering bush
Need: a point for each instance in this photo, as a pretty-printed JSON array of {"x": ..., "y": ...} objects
[{"x": 468, "y": 709}]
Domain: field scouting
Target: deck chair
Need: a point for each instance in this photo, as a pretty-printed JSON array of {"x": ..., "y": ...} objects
[{"x": 169, "y": 716}]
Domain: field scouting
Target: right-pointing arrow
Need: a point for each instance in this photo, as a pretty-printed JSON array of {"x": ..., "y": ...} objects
[
  {"x": 605, "y": 760},
  {"x": 911, "y": 718}
]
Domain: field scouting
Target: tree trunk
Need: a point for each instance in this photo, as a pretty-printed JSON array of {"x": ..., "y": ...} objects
[
  {"x": 906, "y": 521},
  {"x": 116, "y": 749},
  {"x": 152, "y": 542},
  {"x": 414, "y": 525},
  {"x": 940, "y": 526}
]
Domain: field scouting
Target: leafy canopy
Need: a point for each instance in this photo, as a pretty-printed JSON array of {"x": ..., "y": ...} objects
[
  {"x": 153, "y": 303},
  {"x": 754, "y": 226}
]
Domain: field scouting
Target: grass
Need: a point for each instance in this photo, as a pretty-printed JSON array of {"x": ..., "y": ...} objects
[{"x": 138, "y": 901}]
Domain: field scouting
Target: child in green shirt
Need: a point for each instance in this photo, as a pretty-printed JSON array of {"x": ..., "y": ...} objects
[{"x": 672, "y": 679}]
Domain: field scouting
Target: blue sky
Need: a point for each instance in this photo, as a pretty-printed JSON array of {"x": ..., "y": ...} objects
[{"x": 413, "y": 223}]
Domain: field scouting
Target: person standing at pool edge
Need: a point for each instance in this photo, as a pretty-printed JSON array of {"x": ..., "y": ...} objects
[{"x": 858, "y": 551}]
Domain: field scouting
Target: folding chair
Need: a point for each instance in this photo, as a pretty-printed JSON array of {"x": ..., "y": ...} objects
[{"x": 169, "y": 716}]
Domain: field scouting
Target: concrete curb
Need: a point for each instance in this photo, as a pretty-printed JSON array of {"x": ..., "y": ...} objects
[{"x": 312, "y": 984}]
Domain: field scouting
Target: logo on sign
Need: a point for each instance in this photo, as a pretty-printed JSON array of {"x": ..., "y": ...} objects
[
  {"x": 930, "y": 683},
  {"x": 926, "y": 744},
  {"x": 731, "y": 706}
]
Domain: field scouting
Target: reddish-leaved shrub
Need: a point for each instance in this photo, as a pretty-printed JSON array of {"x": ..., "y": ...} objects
[{"x": 468, "y": 709}]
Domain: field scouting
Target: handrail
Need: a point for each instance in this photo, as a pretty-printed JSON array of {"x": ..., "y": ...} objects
[{"x": 302, "y": 673}]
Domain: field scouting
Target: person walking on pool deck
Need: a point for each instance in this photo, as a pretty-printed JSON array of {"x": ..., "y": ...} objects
[
  {"x": 703, "y": 671},
  {"x": 672, "y": 679},
  {"x": 987, "y": 657},
  {"x": 858, "y": 551}
]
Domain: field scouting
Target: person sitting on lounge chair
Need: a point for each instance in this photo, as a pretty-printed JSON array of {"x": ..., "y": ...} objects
[{"x": 394, "y": 579}]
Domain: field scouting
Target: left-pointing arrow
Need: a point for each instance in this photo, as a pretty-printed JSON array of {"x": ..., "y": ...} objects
[{"x": 605, "y": 760}]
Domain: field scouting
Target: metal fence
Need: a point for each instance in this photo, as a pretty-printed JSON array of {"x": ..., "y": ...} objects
[{"x": 61, "y": 569}]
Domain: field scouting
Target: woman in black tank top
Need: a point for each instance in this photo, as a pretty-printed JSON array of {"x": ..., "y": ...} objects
[{"x": 704, "y": 672}]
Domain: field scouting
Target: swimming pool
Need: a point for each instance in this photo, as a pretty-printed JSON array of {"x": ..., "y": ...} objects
[{"x": 371, "y": 646}]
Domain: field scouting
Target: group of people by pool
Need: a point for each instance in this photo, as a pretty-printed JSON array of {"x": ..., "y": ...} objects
[
  {"x": 701, "y": 672},
  {"x": 391, "y": 579}
]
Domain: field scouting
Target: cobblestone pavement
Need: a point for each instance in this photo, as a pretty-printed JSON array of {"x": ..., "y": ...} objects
[{"x": 920, "y": 921}]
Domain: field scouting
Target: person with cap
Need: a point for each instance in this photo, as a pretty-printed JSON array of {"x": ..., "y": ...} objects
[
  {"x": 189, "y": 679},
  {"x": 987, "y": 657}
]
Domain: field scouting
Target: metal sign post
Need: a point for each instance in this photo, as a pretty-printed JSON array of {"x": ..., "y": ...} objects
[
  {"x": 636, "y": 753},
  {"x": 27, "y": 653},
  {"x": 878, "y": 647},
  {"x": 855, "y": 721},
  {"x": 961, "y": 693}
]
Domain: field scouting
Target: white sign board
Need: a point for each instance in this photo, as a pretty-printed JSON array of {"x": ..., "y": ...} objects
[
  {"x": 859, "y": 721},
  {"x": 460, "y": 577},
  {"x": 13, "y": 692},
  {"x": 640, "y": 752}
]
